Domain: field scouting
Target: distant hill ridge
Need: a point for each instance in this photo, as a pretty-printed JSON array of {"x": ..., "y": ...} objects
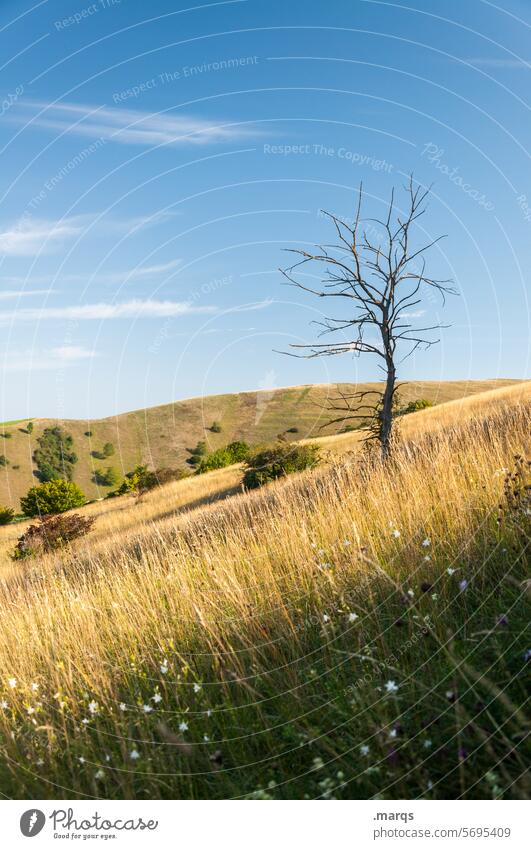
[{"x": 162, "y": 436}]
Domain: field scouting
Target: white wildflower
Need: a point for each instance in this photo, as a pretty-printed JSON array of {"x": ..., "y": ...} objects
[
  {"x": 12, "y": 683},
  {"x": 391, "y": 686},
  {"x": 134, "y": 755},
  {"x": 450, "y": 571},
  {"x": 123, "y": 706},
  {"x": 396, "y": 533},
  {"x": 197, "y": 688},
  {"x": 93, "y": 707},
  {"x": 164, "y": 668},
  {"x": 352, "y": 617},
  {"x": 147, "y": 708},
  {"x": 364, "y": 750},
  {"x": 34, "y": 687},
  {"x": 99, "y": 774},
  {"x": 183, "y": 726},
  {"x": 156, "y": 698},
  {"x": 426, "y": 542}
]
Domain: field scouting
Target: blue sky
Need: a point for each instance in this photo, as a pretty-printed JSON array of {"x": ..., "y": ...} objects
[{"x": 157, "y": 159}]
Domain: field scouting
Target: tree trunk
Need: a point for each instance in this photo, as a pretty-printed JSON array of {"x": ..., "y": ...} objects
[{"x": 386, "y": 414}]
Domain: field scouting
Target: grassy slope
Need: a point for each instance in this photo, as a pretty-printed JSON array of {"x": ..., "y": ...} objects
[
  {"x": 159, "y": 436},
  {"x": 421, "y": 695}
]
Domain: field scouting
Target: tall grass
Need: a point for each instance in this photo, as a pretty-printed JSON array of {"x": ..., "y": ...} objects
[{"x": 358, "y": 631}]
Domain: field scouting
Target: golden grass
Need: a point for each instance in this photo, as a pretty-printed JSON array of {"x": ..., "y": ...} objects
[{"x": 171, "y": 576}]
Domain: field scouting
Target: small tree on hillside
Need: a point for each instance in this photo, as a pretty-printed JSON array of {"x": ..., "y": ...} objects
[{"x": 381, "y": 277}]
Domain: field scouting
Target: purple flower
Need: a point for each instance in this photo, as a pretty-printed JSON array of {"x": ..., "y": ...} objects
[
  {"x": 502, "y": 620},
  {"x": 463, "y": 584}
]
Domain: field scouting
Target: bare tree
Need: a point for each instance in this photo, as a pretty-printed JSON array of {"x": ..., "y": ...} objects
[{"x": 382, "y": 277}]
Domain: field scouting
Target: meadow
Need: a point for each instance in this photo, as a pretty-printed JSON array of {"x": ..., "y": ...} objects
[{"x": 358, "y": 631}]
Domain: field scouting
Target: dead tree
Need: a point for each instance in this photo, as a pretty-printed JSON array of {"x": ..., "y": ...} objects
[{"x": 380, "y": 278}]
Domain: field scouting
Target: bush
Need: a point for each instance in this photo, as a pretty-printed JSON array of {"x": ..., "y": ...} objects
[
  {"x": 54, "y": 496},
  {"x": 88, "y": 433},
  {"x": 7, "y": 434},
  {"x": 292, "y": 430},
  {"x": 51, "y": 533},
  {"x": 3, "y": 460},
  {"x": 6, "y": 515},
  {"x": 29, "y": 427},
  {"x": 142, "y": 479},
  {"x": 108, "y": 449},
  {"x": 234, "y": 452},
  {"x": 16, "y": 466},
  {"x": 415, "y": 406},
  {"x": 215, "y": 427},
  {"x": 197, "y": 453},
  {"x": 278, "y": 460},
  {"x": 109, "y": 477},
  {"x": 54, "y": 456}
]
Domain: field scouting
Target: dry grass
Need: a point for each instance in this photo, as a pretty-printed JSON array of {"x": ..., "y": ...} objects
[{"x": 253, "y": 599}]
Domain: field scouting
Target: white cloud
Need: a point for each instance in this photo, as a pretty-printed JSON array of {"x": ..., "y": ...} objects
[
  {"x": 72, "y": 353},
  {"x": 47, "y": 360},
  {"x": 86, "y": 312},
  {"x": 126, "y": 126},
  {"x": 21, "y": 293},
  {"x": 29, "y": 236},
  {"x": 416, "y": 314}
]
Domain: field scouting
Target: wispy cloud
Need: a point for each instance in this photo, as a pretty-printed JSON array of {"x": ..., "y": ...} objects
[
  {"x": 7, "y": 294},
  {"x": 126, "y": 126},
  {"x": 47, "y": 360},
  {"x": 30, "y": 236},
  {"x": 485, "y": 62},
  {"x": 133, "y": 309}
]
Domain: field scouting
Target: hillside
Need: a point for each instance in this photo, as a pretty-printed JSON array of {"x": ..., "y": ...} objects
[
  {"x": 358, "y": 631},
  {"x": 161, "y": 436}
]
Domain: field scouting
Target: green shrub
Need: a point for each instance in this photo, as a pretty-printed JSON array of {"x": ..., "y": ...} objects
[
  {"x": 7, "y": 434},
  {"x": 88, "y": 433},
  {"x": 215, "y": 427},
  {"x": 6, "y": 515},
  {"x": 276, "y": 461},
  {"x": 108, "y": 477},
  {"x": 3, "y": 460},
  {"x": 142, "y": 479},
  {"x": 292, "y": 430},
  {"x": 108, "y": 449},
  {"x": 29, "y": 427},
  {"x": 51, "y": 533},
  {"x": 234, "y": 452},
  {"x": 54, "y": 496},
  {"x": 55, "y": 457},
  {"x": 197, "y": 453},
  {"x": 415, "y": 406}
]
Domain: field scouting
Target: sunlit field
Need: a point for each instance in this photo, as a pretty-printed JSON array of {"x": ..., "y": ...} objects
[{"x": 358, "y": 631}]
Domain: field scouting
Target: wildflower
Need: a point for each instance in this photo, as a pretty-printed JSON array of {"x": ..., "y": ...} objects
[
  {"x": 147, "y": 708},
  {"x": 30, "y": 710},
  {"x": 34, "y": 687},
  {"x": 12, "y": 683},
  {"x": 209, "y": 712},
  {"x": 393, "y": 733},
  {"x": 347, "y": 542},
  {"x": 197, "y": 688},
  {"x": 134, "y": 755},
  {"x": 463, "y": 584},
  {"x": 157, "y": 698},
  {"x": 183, "y": 726},
  {"x": 325, "y": 565},
  {"x": 411, "y": 593},
  {"x": 40, "y": 762},
  {"x": 435, "y": 596},
  {"x": 450, "y": 695},
  {"x": 206, "y": 738},
  {"x": 502, "y": 619},
  {"x": 164, "y": 668},
  {"x": 4, "y": 705},
  {"x": 99, "y": 774},
  {"x": 364, "y": 750},
  {"x": 426, "y": 542},
  {"x": 85, "y": 721},
  {"x": 81, "y": 760},
  {"x": 326, "y": 617},
  {"x": 427, "y": 559},
  {"x": 450, "y": 571},
  {"x": 427, "y": 744},
  {"x": 352, "y": 617},
  {"x": 391, "y": 686},
  {"x": 396, "y": 533},
  {"x": 93, "y": 707},
  {"x": 318, "y": 763},
  {"x": 527, "y": 655},
  {"x": 123, "y": 706}
]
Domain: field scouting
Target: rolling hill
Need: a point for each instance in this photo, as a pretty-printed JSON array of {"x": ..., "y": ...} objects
[{"x": 163, "y": 436}]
